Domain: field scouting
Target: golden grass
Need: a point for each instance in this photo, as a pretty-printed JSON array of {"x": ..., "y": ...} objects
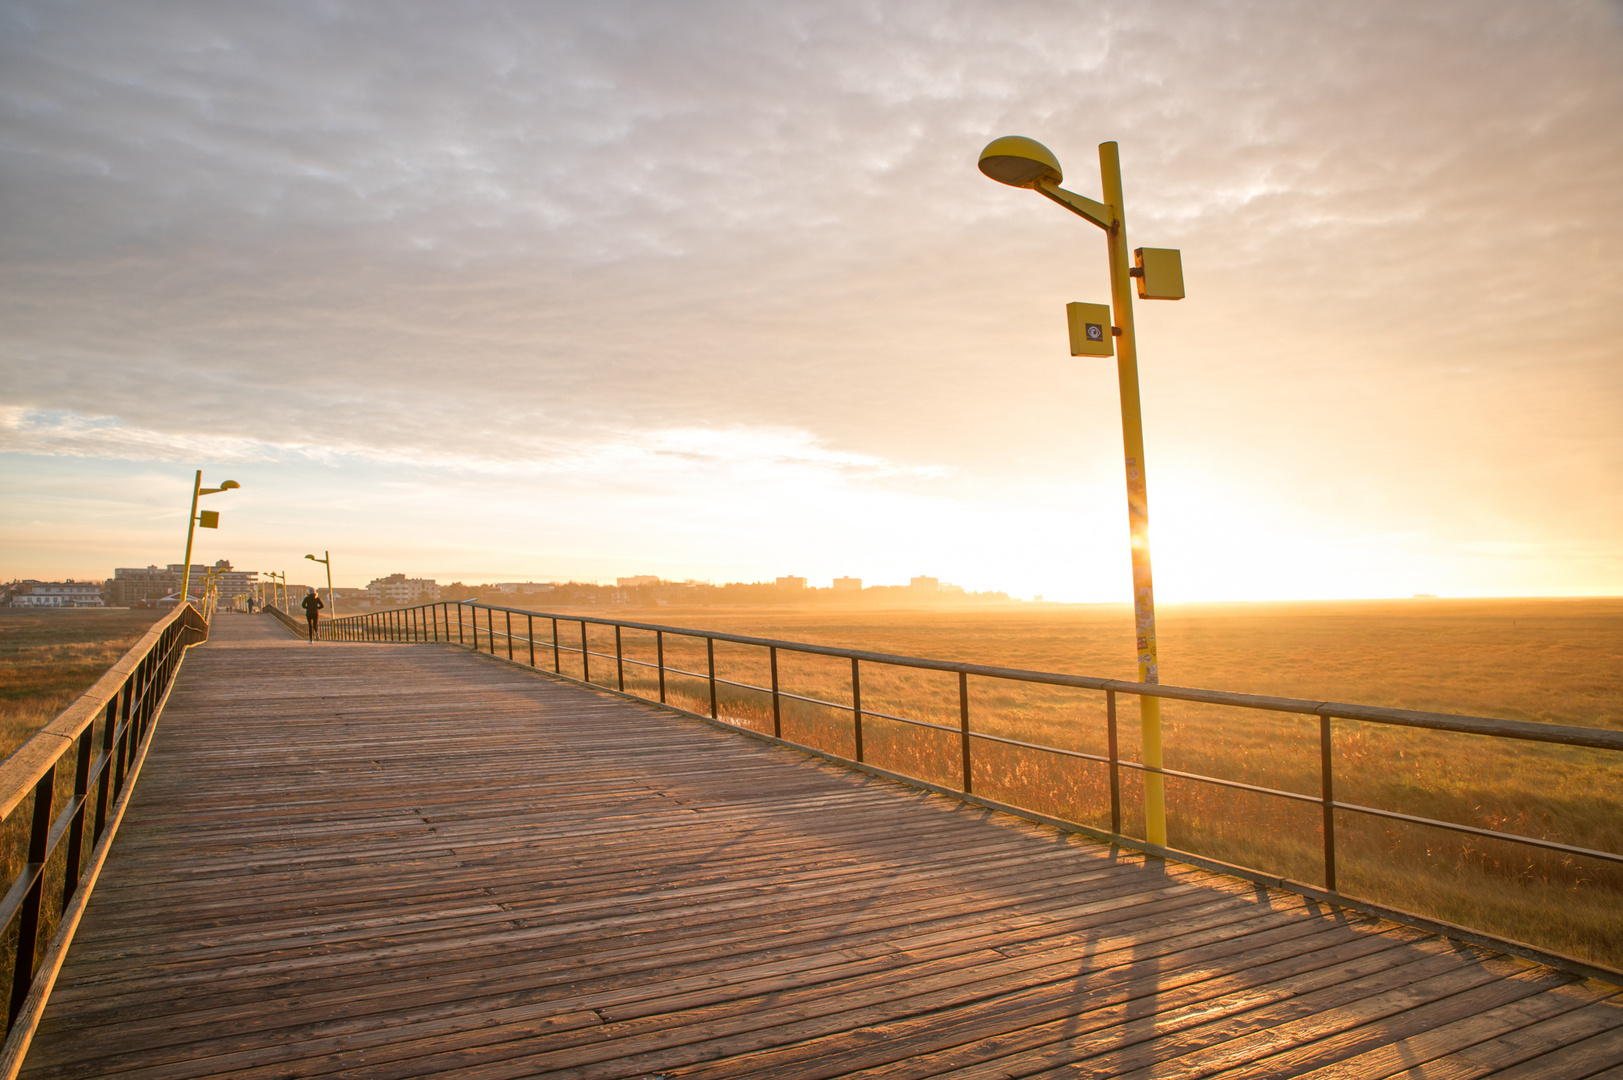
[
  {"x": 48, "y": 658},
  {"x": 1541, "y": 660}
]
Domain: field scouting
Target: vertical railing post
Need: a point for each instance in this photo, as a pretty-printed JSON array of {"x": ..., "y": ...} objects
[
  {"x": 76, "y": 829},
  {"x": 710, "y": 654},
  {"x": 659, "y": 649},
  {"x": 109, "y": 728},
  {"x": 459, "y": 638},
  {"x": 1115, "y": 769},
  {"x": 490, "y": 629},
  {"x": 856, "y": 705},
  {"x": 619, "y": 658},
  {"x": 22, "y": 972},
  {"x": 1327, "y": 793},
  {"x": 473, "y": 623},
  {"x": 585, "y": 655},
  {"x": 530, "y": 633},
  {"x": 557, "y": 662},
  {"x": 509, "y": 615},
  {"x": 963, "y": 729},
  {"x": 777, "y": 710}
]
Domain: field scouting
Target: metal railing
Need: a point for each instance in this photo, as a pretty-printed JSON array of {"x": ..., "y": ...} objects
[
  {"x": 102, "y": 737},
  {"x": 435, "y": 623}
]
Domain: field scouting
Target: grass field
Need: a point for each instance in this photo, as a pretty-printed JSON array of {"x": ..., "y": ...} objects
[
  {"x": 1555, "y": 661},
  {"x": 48, "y": 658}
]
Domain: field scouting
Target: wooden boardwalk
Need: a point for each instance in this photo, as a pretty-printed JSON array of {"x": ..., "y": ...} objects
[{"x": 409, "y": 861}]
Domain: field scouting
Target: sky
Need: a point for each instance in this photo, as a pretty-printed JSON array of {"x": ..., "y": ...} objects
[{"x": 714, "y": 290}]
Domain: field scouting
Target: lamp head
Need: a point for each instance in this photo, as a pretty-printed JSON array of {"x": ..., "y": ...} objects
[
  {"x": 229, "y": 484},
  {"x": 1020, "y": 162},
  {"x": 312, "y": 557}
]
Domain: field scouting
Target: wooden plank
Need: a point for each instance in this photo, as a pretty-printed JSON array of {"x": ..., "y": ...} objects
[{"x": 385, "y": 860}]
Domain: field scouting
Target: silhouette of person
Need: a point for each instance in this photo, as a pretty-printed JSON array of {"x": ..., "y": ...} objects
[{"x": 312, "y": 611}]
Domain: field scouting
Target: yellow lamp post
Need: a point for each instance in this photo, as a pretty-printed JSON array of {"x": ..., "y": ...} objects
[
  {"x": 327, "y": 561},
  {"x": 209, "y": 519},
  {"x": 1026, "y": 163}
]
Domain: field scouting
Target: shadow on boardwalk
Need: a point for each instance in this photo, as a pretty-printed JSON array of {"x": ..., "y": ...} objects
[{"x": 404, "y": 861}]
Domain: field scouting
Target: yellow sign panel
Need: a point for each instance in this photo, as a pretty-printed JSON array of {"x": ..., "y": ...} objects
[
  {"x": 209, "y": 519},
  {"x": 1159, "y": 272},
  {"x": 1091, "y": 332}
]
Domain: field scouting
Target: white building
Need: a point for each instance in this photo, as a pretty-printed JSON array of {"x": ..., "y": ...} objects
[
  {"x": 57, "y": 594},
  {"x": 847, "y": 584}
]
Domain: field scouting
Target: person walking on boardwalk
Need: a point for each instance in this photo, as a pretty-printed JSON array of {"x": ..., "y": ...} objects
[{"x": 312, "y": 611}]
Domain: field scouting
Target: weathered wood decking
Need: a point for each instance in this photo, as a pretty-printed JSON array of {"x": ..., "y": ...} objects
[{"x": 404, "y": 861}]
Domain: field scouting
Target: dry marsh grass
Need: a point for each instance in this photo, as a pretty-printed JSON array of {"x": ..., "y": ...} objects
[
  {"x": 1552, "y": 661},
  {"x": 48, "y": 658}
]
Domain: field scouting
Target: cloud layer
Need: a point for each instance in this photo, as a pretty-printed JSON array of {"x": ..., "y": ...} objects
[{"x": 504, "y": 233}]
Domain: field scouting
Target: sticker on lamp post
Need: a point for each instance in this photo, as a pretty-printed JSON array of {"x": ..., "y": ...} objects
[{"x": 1091, "y": 332}]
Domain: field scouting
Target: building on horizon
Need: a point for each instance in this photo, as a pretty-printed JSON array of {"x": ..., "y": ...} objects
[
  {"x": 927, "y": 585},
  {"x": 848, "y": 584},
  {"x": 796, "y": 584},
  {"x": 134, "y": 585},
  {"x": 398, "y": 590},
  {"x": 638, "y": 581},
  {"x": 524, "y": 588},
  {"x": 58, "y": 594}
]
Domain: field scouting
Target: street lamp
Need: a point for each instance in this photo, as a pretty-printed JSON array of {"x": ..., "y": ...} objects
[
  {"x": 328, "y": 562},
  {"x": 1026, "y": 163},
  {"x": 209, "y": 519}
]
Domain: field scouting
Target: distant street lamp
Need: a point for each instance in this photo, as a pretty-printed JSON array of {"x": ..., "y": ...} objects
[
  {"x": 328, "y": 562},
  {"x": 209, "y": 519},
  {"x": 1026, "y": 163}
]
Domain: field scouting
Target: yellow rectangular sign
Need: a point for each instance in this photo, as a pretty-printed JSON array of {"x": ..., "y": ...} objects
[
  {"x": 209, "y": 519},
  {"x": 1159, "y": 272},
  {"x": 1091, "y": 332}
]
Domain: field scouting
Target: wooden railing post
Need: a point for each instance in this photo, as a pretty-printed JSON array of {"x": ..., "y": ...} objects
[
  {"x": 710, "y": 653},
  {"x": 76, "y": 827},
  {"x": 777, "y": 710},
  {"x": 856, "y": 705},
  {"x": 509, "y": 616},
  {"x": 585, "y": 655},
  {"x": 1115, "y": 769},
  {"x": 530, "y": 633},
  {"x": 659, "y": 649},
  {"x": 490, "y": 629},
  {"x": 22, "y": 972},
  {"x": 1327, "y": 794},
  {"x": 963, "y": 729},
  {"x": 619, "y": 658},
  {"x": 557, "y": 661}
]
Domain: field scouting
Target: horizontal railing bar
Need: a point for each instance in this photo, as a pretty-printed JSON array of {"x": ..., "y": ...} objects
[
  {"x": 1562, "y": 734},
  {"x": 1472, "y": 830}
]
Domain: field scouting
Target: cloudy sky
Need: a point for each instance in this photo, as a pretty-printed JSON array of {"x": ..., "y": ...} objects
[{"x": 496, "y": 291}]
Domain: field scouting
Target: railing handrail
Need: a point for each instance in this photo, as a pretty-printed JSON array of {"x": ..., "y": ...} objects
[{"x": 1530, "y": 731}]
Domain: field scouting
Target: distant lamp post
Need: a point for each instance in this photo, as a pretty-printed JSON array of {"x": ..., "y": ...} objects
[
  {"x": 327, "y": 561},
  {"x": 1026, "y": 163},
  {"x": 209, "y": 519}
]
